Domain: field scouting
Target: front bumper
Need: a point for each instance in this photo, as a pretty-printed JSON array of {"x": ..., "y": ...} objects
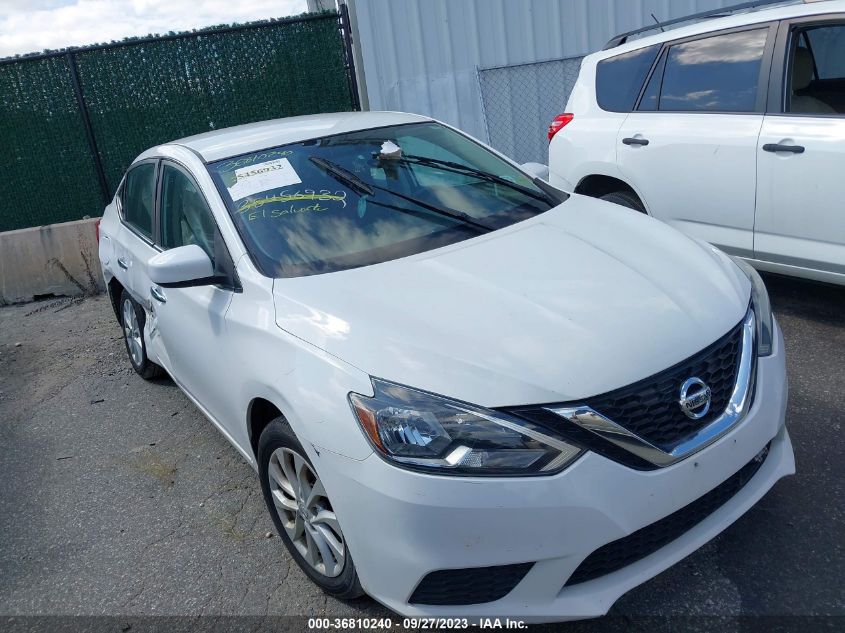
[{"x": 402, "y": 525}]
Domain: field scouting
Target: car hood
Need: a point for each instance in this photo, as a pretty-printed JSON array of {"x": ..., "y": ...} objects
[{"x": 577, "y": 301}]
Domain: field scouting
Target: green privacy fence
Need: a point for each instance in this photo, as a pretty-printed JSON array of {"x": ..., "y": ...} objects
[{"x": 71, "y": 122}]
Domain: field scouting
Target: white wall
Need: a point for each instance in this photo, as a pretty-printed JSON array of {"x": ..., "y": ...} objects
[{"x": 422, "y": 56}]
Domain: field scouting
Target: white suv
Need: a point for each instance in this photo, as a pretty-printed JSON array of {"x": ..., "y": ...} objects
[{"x": 731, "y": 130}]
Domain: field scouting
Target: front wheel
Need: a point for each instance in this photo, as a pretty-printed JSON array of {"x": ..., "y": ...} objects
[
  {"x": 303, "y": 513},
  {"x": 625, "y": 199}
]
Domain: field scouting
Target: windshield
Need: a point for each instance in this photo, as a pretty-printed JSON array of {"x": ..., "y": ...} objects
[{"x": 370, "y": 196}]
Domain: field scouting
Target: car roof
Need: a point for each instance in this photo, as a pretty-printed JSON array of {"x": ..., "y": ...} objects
[
  {"x": 742, "y": 18},
  {"x": 252, "y": 137}
]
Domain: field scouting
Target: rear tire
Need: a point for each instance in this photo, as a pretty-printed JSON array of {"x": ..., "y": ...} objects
[
  {"x": 625, "y": 199},
  {"x": 303, "y": 514},
  {"x": 132, "y": 320}
]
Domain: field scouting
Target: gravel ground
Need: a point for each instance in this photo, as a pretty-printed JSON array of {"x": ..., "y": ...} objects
[{"x": 120, "y": 499}]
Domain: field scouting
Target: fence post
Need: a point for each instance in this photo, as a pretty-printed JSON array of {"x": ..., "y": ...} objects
[
  {"x": 89, "y": 131},
  {"x": 349, "y": 59}
]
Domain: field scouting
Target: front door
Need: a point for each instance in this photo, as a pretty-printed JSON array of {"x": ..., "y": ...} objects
[
  {"x": 801, "y": 156},
  {"x": 190, "y": 322}
]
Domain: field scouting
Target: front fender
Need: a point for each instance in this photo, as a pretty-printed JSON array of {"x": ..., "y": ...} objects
[{"x": 310, "y": 388}]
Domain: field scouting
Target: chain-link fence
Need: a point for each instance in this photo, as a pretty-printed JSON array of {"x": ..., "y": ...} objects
[
  {"x": 520, "y": 101},
  {"x": 71, "y": 122},
  {"x": 47, "y": 170}
]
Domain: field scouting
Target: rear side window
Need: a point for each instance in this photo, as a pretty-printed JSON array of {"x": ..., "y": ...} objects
[
  {"x": 138, "y": 198},
  {"x": 715, "y": 74},
  {"x": 620, "y": 78}
]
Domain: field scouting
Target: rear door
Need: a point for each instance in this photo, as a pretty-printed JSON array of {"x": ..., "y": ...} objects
[
  {"x": 690, "y": 147},
  {"x": 801, "y": 152},
  {"x": 600, "y": 101},
  {"x": 135, "y": 243}
]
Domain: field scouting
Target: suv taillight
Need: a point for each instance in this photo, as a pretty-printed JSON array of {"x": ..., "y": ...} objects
[
  {"x": 97, "y": 229},
  {"x": 560, "y": 121}
]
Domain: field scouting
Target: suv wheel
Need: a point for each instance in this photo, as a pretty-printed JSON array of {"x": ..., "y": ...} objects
[
  {"x": 132, "y": 318},
  {"x": 625, "y": 199},
  {"x": 303, "y": 513}
]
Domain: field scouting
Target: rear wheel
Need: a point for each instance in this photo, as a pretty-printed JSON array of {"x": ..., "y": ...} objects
[
  {"x": 132, "y": 318},
  {"x": 625, "y": 199},
  {"x": 303, "y": 513}
]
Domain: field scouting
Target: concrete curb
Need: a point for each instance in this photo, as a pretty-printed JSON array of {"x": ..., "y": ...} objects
[{"x": 53, "y": 260}]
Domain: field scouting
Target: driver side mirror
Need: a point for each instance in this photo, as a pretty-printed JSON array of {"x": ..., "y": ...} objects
[
  {"x": 537, "y": 170},
  {"x": 182, "y": 267}
]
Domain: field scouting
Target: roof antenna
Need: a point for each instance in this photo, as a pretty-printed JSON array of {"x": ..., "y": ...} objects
[{"x": 657, "y": 22}]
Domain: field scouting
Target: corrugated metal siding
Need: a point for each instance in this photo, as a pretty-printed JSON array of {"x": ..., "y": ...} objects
[{"x": 423, "y": 56}]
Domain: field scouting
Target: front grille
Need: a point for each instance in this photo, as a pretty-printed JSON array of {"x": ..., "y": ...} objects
[
  {"x": 474, "y": 585},
  {"x": 649, "y": 408},
  {"x": 647, "y": 540},
  {"x": 573, "y": 433}
]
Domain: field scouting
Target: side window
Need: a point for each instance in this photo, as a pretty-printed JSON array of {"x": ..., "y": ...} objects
[
  {"x": 620, "y": 78},
  {"x": 138, "y": 196},
  {"x": 817, "y": 70},
  {"x": 185, "y": 216},
  {"x": 715, "y": 74}
]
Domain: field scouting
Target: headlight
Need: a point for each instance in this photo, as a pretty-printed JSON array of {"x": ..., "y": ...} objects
[
  {"x": 424, "y": 431},
  {"x": 761, "y": 306}
]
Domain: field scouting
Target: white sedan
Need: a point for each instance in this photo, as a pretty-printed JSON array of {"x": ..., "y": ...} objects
[{"x": 464, "y": 391}]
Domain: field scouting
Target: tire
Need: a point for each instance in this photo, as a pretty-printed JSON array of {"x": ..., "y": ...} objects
[
  {"x": 624, "y": 199},
  {"x": 133, "y": 338},
  {"x": 299, "y": 521}
]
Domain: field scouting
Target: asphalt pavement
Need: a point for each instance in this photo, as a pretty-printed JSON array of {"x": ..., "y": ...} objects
[{"x": 119, "y": 499}]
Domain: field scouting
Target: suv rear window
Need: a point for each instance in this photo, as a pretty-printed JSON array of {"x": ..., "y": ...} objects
[{"x": 619, "y": 78}]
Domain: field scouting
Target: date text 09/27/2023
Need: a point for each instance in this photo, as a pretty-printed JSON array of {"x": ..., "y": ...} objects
[{"x": 414, "y": 623}]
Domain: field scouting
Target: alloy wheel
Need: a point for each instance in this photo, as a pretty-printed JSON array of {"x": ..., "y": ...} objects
[
  {"x": 306, "y": 512},
  {"x": 132, "y": 333}
]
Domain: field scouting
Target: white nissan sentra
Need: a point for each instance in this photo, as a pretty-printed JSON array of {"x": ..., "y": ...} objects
[{"x": 465, "y": 393}]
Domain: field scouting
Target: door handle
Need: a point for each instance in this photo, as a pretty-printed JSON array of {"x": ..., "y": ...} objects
[
  {"x": 635, "y": 141},
  {"x": 122, "y": 263},
  {"x": 157, "y": 294},
  {"x": 779, "y": 147}
]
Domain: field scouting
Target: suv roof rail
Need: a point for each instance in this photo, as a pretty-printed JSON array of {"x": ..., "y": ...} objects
[{"x": 713, "y": 13}]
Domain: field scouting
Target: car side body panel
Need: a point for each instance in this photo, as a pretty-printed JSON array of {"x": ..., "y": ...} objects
[
  {"x": 708, "y": 174},
  {"x": 692, "y": 152},
  {"x": 800, "y": 217}
]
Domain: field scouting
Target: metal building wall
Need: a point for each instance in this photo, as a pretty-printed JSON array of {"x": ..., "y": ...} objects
[{"x": 423, "y": 56}]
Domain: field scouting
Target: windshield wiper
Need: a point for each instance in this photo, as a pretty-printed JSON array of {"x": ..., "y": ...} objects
[
  {"x": 343, "y": 175},
  {"x": 460, "y": 216},
  {"x": 364, "y": 188},
  {"x": 460, "y": 168}
]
